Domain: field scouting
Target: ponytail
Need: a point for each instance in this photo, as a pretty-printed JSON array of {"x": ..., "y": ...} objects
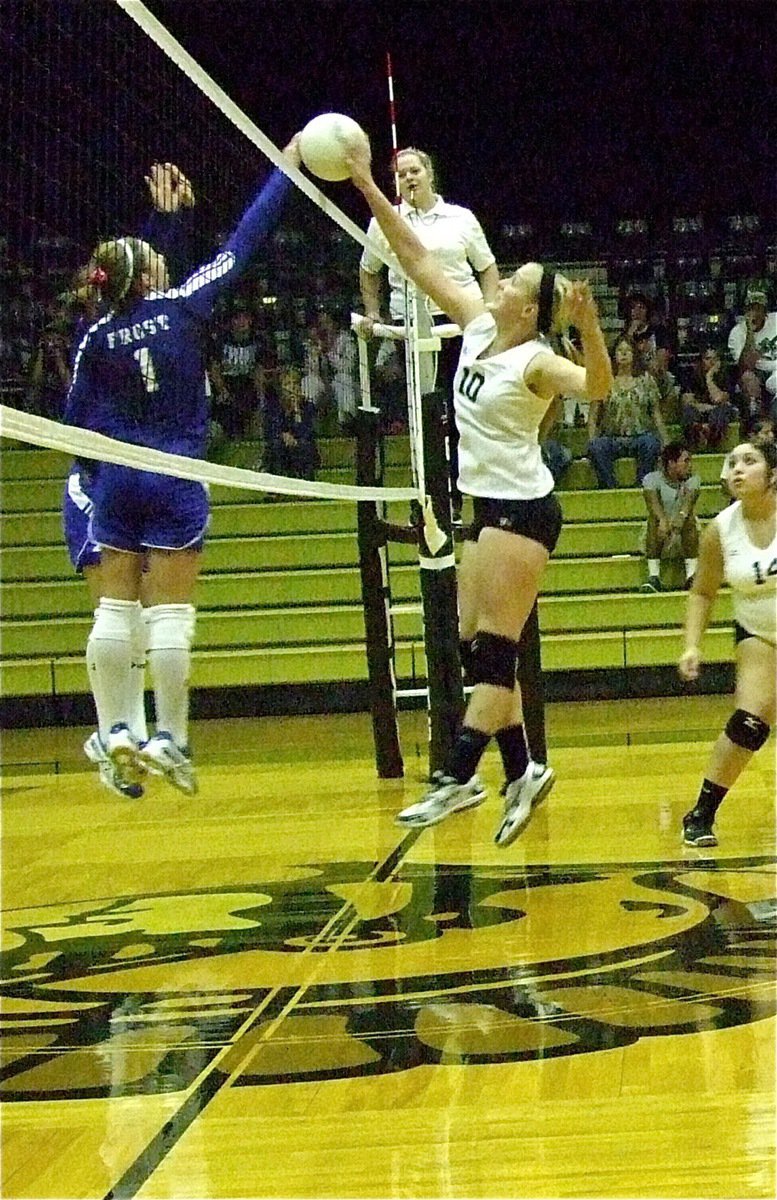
[{"x": 550, "y": 293}]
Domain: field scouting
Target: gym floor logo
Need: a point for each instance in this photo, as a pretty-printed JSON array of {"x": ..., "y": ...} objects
[{"x": 337, "y": 972}]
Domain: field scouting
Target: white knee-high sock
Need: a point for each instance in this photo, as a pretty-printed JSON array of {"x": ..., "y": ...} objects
[
  {"x": 109, "y": 659},
  {"x": 170, "y": 633},
  {"x": 138, "y": 723}
]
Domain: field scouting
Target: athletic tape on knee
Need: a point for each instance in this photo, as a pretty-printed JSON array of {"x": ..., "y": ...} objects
[
  {"x": 493, "y": 660},
  {"x": 114, "y": 620},
  {"x": 170, "y": 626},
  {"x": 746, "y": 730}
]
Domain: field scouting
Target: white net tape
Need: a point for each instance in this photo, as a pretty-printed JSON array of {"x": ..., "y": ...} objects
[{"x": 71, "y": 439}]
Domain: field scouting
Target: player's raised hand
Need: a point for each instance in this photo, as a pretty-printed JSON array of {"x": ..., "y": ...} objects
[
  {"x": 580, "y": 306},
  {"x": 291, "y": 151},
  {"x": 170, "y": 189},
  {"x": 358, "y": 157}
]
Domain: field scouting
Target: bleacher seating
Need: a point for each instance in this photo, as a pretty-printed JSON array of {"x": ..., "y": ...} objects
[{"x": 279, "y": 598}]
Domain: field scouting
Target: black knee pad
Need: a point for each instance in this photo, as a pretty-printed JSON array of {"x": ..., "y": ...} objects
[
  {"x": 493, "y": 660},
  {"x": 466, "y": 657},
  {"x": 746, "y": 730}
]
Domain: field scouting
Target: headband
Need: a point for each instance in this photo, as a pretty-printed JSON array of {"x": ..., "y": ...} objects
[{"x": 545, "y": 301}]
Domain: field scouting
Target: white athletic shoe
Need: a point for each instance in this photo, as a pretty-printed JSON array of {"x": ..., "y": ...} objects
[
  {"x": 122, "y": 751},
  {"x": 108, "y": 773},
  {"x": 161, "y": 755},
  {"x": 445, "y": 797},
  {"x": 520, "y": 796}
]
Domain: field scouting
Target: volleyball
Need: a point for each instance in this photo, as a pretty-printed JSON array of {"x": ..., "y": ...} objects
[{"x": 321, "y": 144}]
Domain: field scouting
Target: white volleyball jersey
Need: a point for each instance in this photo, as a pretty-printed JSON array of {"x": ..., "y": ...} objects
[
  {"x": 751, "y": 572},
  {"x": 498, "y": 418}
]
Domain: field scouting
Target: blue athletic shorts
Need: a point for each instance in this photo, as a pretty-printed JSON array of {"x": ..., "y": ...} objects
[
  {"x": 138, "y": 510},
  {"x": 76, "y": 514}
]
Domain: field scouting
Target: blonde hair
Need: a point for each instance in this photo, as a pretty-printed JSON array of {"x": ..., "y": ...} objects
[
  {"x": 424, "y": 158},
  {"x": 533, "y": 274},
  {"x": 116, "y": 267}
]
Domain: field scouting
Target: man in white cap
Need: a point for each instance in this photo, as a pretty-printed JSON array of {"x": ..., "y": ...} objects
[{"x": 753, "y": 341}]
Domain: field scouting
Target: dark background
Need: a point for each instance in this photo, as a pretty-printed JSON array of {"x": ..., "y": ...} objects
[{"x": 567, "y": 109}]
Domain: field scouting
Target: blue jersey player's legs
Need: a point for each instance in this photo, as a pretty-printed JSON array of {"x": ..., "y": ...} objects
[
  {"x": 150, "y": 529},
  {"x": 84, "y": 554}
]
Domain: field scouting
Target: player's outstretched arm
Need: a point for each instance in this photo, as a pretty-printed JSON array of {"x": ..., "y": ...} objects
[{"x": 259, "y": 219}]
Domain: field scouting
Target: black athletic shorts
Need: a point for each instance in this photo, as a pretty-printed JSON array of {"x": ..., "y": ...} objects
[
  {"x": 740, "y": 634},
  {"x": 540, "y": 520}
]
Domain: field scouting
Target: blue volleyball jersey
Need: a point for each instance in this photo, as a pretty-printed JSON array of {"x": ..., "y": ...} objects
[{"x": 139, "y": 375}]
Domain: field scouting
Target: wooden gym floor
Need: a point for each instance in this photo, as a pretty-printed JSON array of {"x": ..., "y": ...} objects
[{"x": 272, "y": 990}]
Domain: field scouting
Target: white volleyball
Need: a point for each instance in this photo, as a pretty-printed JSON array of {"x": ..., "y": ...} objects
[{"x": 321, "y": 144}]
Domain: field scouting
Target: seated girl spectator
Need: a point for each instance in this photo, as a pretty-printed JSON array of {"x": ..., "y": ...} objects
[
  {"x": 638, "y": 324},
  {"x": 629, "y": 421},
  {"x": 289, "y": 433},
  {"x": 658, "y": 362},
  {"x": 48, "y": 377},
  {"x": 237, "y": 375},
  {"x": 330, "y": 380},
  {"x": 707, "y": 410}
]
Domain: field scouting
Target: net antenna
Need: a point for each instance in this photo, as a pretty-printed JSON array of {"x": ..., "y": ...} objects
[
  {"x": 393, "y": 123},
  {"x": 420, "y": 371}
]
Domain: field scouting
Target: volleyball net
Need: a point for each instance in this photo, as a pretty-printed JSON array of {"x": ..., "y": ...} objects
[{"x": 101, "y": 92}]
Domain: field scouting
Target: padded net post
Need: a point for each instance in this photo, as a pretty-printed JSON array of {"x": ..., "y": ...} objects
[
  {"x": 439, "y": 597},
  {"x": 373, "y": 570}
]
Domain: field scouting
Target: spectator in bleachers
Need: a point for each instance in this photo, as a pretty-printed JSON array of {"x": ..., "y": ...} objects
[
  {"x": 658, "y": 363},
  {"x": 639, "y": 325},
  {"x": 629, "y": 422},
  {"x": 26, "y": 314},
  {"x": 237, "y": 376},
  {"x": 289, "y": 428},
  {"x": 752, "y": 342},
  {"x": 672, "y": 531},
  {"x": 707, "y": 410},
  {"x": 752, "y": 400},
  {"x": 330, "y": 379},
  {"x": 22, "y": 320},
  {"x": 555, "y": 454},
  {"x": 49, "y": 372}
]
